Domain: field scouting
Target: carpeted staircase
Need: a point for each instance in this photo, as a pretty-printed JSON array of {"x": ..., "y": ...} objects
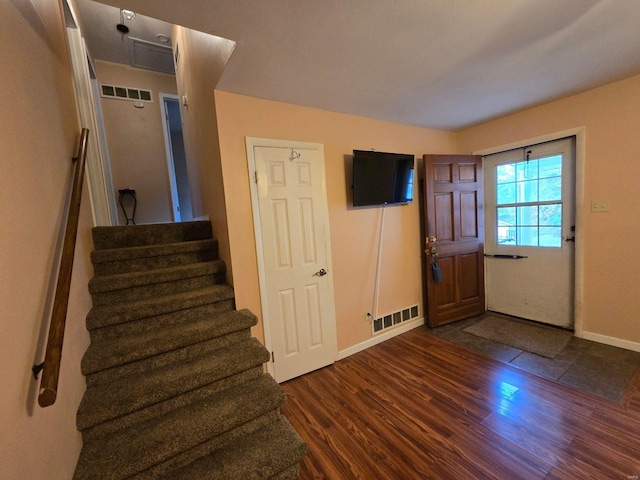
[{"x": 175, "y": 382}]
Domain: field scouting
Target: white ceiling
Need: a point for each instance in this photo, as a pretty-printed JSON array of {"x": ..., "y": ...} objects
[
  {"x": 98, "y": 23},
  {"x": 445, "y": 64}
]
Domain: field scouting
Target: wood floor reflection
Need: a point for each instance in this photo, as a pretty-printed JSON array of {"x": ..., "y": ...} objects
[{"x": 419, "y": 407}]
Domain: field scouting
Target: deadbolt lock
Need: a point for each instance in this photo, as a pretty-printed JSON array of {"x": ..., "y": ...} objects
[{"x": 430, "y": 246}]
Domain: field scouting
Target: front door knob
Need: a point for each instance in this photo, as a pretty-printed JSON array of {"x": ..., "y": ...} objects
[{"x": 320, "y": 273}]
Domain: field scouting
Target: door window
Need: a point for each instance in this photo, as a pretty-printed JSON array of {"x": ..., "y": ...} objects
[{"x": 529, "y": 202}]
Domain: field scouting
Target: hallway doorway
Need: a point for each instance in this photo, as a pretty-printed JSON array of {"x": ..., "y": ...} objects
[{"x": 176, "y": 158}]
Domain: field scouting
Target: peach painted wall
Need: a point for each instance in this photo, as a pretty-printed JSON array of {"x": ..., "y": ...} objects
[
  {"x": 610, "y": 116},
  {"x": 38, "y": 132},
  {"x": 136, "y": 141},
  {"x": 354, "y": 232},
  {"x": 201, "y": 61}
]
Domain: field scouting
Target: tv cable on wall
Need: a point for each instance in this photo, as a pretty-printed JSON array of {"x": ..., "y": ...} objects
[{"x": 376, "y": 287}]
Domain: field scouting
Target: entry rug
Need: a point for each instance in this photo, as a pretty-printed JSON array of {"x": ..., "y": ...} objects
[{"x": 544, "y": 341}]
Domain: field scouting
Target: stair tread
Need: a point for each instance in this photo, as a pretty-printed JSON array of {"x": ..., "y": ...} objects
[
  {"x": 134, "y": 392},
  {"x": 113, "y": 352},
  {"x": 118, "y": 426},
  {"x": 121, "y": 281},
  {"x": 146, "y": 251},
  {"x": 151, "y": 234},
  {"x": 104, "y": 315},
  {"x": 150, "y": 443},
  {"x": 261, "y": 455}
]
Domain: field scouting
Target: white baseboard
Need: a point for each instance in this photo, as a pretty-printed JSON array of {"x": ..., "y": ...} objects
[
  {"x": 613, "y": 341},
  {"x": 392, "y": 332}
]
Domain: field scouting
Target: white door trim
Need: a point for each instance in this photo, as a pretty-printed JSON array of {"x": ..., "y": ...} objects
[
  {"x": 579, "y": 133},
  {"x": 175, "y": 202},
  {"x": 98, "y": 174},
  {"x": 252, "y": 142}
]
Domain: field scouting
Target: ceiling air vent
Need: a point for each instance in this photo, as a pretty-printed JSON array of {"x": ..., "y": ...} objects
[
  {"x": 152, "y": 56},
  {"x": 125, "y": 93}
]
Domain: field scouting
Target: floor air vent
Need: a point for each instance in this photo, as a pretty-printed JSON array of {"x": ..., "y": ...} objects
[{"x": 395, "y": 318}]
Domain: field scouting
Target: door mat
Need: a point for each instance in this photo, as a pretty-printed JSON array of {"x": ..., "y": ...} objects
[{"x": 544, "y": 341}]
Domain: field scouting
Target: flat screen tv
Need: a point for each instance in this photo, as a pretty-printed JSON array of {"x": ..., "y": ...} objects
[{"x": 381, "y": 178}]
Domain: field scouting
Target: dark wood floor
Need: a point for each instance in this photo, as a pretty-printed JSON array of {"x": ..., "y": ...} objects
[{"x": 419, "y": 407}]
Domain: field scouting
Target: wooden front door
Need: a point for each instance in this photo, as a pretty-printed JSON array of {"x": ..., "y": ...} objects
[{"x": 454, "y": 237}]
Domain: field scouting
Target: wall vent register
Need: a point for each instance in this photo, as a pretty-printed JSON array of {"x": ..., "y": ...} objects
[
  {"x": 395, "y": 318},
  {"x": 125, "y": 93}
]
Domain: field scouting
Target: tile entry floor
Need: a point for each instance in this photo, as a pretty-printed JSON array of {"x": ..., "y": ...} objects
[{"x": 589, "y": 366}]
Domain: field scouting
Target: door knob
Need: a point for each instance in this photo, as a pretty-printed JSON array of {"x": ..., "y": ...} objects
[{"x": 320, "y": 273}]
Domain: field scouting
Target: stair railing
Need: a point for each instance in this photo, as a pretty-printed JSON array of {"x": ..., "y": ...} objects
[{"x": 51, "y": 366}]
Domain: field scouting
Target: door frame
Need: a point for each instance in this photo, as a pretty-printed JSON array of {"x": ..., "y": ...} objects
[
  {"x": 98, "y": 172},
  {"x": 173, "y": 183},
  {"x": 579, "y": 133},
  {"x": 252, "y": 142}
]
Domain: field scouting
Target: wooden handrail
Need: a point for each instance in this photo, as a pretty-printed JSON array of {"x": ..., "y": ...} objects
[{"x": 51, "y": 366}]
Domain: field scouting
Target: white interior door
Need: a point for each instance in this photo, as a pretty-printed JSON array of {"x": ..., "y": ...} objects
[
  {"x": 530, "y": 232},
  {"x": 294, "y": 256}
]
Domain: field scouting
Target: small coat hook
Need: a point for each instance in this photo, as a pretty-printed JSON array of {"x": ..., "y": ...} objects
[{"x": 294, "y": 155}]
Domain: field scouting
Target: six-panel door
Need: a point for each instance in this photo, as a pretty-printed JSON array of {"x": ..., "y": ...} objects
[{"x": 453, "y": 208}]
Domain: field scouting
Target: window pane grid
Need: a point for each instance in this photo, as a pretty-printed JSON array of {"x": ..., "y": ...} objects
[{"x": 529, "y": 202}]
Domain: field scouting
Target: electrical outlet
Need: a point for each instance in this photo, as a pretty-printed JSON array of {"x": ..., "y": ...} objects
[{"x": 598, "y": 206}]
